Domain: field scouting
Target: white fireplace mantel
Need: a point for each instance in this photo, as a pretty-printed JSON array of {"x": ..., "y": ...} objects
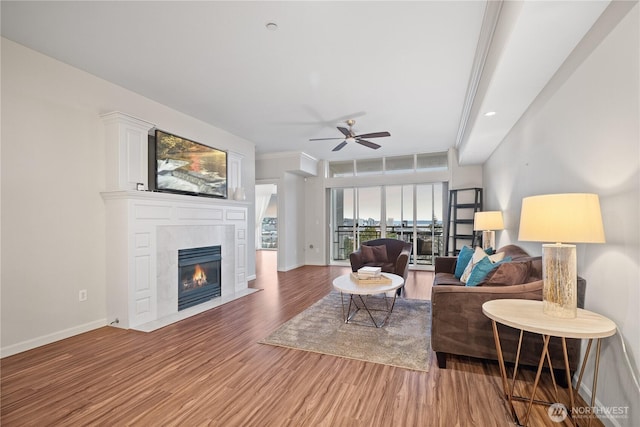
[{"x": 145, "y": 230}]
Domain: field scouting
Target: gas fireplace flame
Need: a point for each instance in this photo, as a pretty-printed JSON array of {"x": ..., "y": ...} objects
[{"x": 199, "y": 278}]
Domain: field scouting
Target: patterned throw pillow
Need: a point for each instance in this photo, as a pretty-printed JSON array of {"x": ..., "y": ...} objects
[
  {"x": 463, "y": 259},
  {"x": 479, "y": 255}
]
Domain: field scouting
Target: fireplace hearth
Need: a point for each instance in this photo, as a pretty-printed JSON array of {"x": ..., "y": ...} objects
[{"x": 199, "y": 273}]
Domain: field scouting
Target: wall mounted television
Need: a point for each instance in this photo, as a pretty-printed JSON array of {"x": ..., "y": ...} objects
[{"x": 186, "y": 167}]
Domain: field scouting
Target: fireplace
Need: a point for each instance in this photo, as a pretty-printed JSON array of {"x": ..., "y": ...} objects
[{"x": 199, "y": 272}]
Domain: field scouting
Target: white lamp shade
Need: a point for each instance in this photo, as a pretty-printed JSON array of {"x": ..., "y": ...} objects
[
  {"x": 489, "y": 220},
  {"x": 568, "y": 218}
]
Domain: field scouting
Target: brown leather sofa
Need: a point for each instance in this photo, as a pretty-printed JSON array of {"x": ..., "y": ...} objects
[
  {"x": 459, "y": 326},
  {"x": 395, "y": 262}
]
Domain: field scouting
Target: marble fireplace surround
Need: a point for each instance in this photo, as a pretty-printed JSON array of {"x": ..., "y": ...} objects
[{"x": 169, "y": 240}]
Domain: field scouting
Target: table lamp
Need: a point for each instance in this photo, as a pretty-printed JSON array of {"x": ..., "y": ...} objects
[
  {"x": 574, "y": 218},
  {"x": 487, "y": 222}
]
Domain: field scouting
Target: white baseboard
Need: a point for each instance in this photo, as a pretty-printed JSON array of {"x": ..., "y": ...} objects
[
  {"x": 53, "y": 337},
  {"x": 585, "y": 393},
  {"x": 292, "y": 267}
]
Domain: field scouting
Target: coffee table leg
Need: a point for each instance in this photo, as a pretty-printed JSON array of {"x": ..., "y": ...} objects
[
  {"x": 348, "y": 315},
  {"x": 390, "y": 310},
  {"x": 364, "y": 304}
]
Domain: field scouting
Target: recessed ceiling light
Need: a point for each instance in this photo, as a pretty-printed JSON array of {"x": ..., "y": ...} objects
[
  {"x": 490, "y": 113},
  {"x": 271, "y": 26}
]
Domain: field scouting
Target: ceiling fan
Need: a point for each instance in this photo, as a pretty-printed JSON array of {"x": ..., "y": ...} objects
[{"x": 350, "y": 136}]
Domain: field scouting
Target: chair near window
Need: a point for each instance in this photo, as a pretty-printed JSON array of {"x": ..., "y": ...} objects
[{"x": 391, "y": 255}]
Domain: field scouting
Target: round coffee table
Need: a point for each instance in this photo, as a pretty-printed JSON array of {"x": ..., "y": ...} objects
[{"x": 346, "y": 285}]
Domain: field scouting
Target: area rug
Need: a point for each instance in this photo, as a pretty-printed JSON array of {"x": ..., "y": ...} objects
[{"x": 403, "y": 342}]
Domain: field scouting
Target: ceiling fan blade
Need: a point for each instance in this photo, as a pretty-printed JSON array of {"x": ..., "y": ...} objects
[
  {"x": 323, "y": 139},
  {"x": 373, "y": 135},
  {"x": 339, "y": 146},
  {"x": 344, "y": 131},
  {"x": 368, "y": 144}
]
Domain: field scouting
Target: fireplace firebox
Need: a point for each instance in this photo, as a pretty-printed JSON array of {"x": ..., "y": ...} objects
[{"x": 199, "y": 273}]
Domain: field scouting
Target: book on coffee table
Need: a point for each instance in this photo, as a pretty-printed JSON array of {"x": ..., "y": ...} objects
[{"x": 368, "y": 272}]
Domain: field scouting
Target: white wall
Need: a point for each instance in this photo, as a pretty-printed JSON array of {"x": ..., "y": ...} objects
[
  {"x": 582, "y": 135},
  {"x": 291, "y": 214},
  {"x": 52, "y": 172},
  {"x": 316, "y": 221}
]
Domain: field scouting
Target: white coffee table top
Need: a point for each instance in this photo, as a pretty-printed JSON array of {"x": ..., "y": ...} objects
[
  {"x": 527, "y": 315},
  {"x": 346, "y": 285}
]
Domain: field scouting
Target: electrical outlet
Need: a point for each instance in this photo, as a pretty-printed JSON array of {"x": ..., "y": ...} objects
[{"x": 82, "y": 295}]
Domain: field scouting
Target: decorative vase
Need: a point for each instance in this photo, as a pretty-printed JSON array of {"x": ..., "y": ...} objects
[
  {"x": 559, "y": 272},
  {"x": 239, "y": 194}
]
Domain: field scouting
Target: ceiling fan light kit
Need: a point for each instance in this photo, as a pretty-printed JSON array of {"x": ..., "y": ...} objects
[{"x": 350, "y": 137}]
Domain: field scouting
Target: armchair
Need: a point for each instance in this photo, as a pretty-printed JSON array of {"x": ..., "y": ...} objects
[{"x": 396, "y": 260}]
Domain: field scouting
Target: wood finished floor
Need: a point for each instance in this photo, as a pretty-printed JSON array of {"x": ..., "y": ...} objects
[{"x": 210, "y": 370}]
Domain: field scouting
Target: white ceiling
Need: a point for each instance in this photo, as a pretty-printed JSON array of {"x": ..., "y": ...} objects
[{"x": 424, "y": 71}]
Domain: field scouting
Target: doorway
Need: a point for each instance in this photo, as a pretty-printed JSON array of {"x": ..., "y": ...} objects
[{"x": 266, "y": 225}]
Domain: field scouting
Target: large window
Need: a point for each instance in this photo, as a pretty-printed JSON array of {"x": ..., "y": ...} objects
[
  {"x": 343, "y": 222},
  {"x": 341, "y": 168},
  {"x": 412, "y": 163},
  {"x": 412, "y": 213}
]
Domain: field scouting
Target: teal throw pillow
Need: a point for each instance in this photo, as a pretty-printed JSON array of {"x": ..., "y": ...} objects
[
  {"x": 463, "y": 259},
  {"x": 489, "y": 251},
  {"x": 482, "y": 268}
]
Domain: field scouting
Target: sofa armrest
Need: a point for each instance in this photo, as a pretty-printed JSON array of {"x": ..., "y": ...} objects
[
  {"x": 402, "y": 263},
  {"x": 356, "y": 260},
  {"x": 445, "y": 264}
]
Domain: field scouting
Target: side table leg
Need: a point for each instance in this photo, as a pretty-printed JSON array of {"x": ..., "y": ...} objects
[
  {"x": 515, "y": 368},
  {"x": 595, "y": 380},
  {"x": 566, "y": 367},
  {"x": 503, "y": 372},
  {"x": 584, "y": 363},
  {"x": 545, "y": 348}
]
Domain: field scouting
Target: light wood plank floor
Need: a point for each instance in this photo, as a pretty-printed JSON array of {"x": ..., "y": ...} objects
[{"x": 210, "y": 370}]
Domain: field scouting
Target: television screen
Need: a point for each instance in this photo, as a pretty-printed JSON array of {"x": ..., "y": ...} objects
[{"x": 187, "y": 167}]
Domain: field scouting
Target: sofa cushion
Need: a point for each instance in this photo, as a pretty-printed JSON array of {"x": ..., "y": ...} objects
[
  {"x": 377, "y": 254},
  {"x": 509, "y": 273},
  {"x": 446, "y": 279},
  {"x": 463, "y": 259}
]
